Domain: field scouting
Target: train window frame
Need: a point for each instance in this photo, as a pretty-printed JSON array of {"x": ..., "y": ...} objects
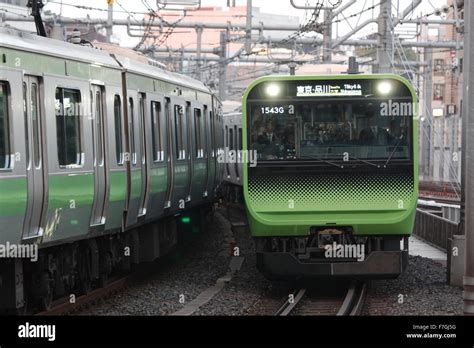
[
  {"x": 80, "y": 129},
  {"x": 156, "y": 120},
  {"x": 198, "y": 133},
  {"x": 118, "y": 116},
  {"x": 8, "y": 162}
]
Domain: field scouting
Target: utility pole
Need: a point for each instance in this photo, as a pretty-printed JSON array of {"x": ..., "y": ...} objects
[
  {"x": 223, "y": 66},
  {"x": 199, "y": 30},
  {"x": 181, "y": 60},
  {"x": 468, "y": 124},
  {"x": 353, "y": 66},
  {"x": 385, "y": 44},
  {"x": 248, "y": 28},
  {"x": 292, "y": 67},
  {"x": 427, "y": 152},
  {"x": 110, "y": 19}
]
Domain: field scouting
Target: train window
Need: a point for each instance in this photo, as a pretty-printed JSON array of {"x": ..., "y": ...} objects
[
  {"x": 178, "y": 121},
  {"x": 141, "y": 104},
  {"x": 239, "y": 139},
  {"x": 199, "y": 134},
  {"x": 156, "y": 121},
  {"x": 118, "y": 130},
  {"x": 4, "y": 128},
  {"x": 98, "y": 121},
  {"x": 68, "y": 126},
  {"x": 211, "y": 129},
  {"x": 27, "y": 128},
  {"x": 36, "y": 124},
  {"x": 167, "y": 125},
  {"x": 231, "y": 139},
  {"x": 131, "y": 121}
]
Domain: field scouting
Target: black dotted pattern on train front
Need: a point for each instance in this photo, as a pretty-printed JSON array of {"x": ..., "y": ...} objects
[{"x": 330, "y": 193}]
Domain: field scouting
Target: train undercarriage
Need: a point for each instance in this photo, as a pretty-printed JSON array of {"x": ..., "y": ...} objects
[
  {"x": 76, "y": 268},
  {"x": 332, "y": 253}
]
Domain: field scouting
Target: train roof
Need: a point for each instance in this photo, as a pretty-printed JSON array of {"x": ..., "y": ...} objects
[
  {"x": 156, "y": 72},
  {"x": 25, "y": 41}
]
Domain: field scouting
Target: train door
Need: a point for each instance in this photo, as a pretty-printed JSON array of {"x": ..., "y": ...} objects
[
  {"x": 135, "y": 160},
  {"x": 36, "y": 163},
  {"x": 99, "y": 155},
  {"x": 179, "y": 153},
  {"x": 143, "y": 155},
  {"x": 197, "y": 149}
]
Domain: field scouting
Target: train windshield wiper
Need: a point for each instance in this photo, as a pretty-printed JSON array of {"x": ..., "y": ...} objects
[
  {"x": 366, "y": 162},
  {"x": 322, "y": 160},
  {"x": 394, "y": 150}
]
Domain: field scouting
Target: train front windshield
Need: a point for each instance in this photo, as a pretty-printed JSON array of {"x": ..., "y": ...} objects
[{"x": 336, "y": 126}]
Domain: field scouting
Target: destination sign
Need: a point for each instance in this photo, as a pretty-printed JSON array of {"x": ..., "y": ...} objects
[{"x": 329, "y": 90}]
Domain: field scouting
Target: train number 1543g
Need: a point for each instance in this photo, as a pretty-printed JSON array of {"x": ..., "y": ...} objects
[{"x": 277, "y": 109}]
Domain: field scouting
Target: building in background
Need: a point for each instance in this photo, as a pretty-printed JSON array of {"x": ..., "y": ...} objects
[{"x": 441, "y": 104}]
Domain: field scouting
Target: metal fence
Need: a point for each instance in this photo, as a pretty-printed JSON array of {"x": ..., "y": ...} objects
[{"x": 435, "y": 229}]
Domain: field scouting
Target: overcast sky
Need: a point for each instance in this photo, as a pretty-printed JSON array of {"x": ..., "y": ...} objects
[{"x": 269, "y": 6}]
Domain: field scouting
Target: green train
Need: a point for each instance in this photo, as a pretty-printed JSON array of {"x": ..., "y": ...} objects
[
  {"x": 334, "y": 189},
  {"x": 100, "y": 155}
]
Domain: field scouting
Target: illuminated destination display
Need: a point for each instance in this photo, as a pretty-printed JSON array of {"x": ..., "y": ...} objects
[{"x": 329, "y": 90}]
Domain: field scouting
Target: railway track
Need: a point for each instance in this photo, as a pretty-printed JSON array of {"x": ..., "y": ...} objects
[{"x": 303, "y": 302}]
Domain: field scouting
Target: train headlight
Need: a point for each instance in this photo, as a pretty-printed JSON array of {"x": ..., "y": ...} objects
[
  {"x": 273, "y": 90},
  {"x": 384, "y": 88}
]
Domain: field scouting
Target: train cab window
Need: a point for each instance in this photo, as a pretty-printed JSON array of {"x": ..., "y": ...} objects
[
  {"x": 68, "y": 126},
  {"x": 156, "y": 124},
  {"x": 131, "y": 121},
  {"x": 199, "y": 134},
  {"x": 118, "y": 130},
  {"x": 4, "y": 128},
  {"x": 179, "y": 132}
]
